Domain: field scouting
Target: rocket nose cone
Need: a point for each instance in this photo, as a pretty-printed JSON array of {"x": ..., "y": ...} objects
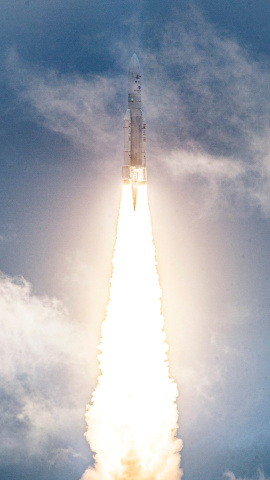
[
  {"x": 134, "y": 62},
  {"x": 134, "y": 80}
]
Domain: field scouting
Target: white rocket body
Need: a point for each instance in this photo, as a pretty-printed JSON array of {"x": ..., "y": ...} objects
[{"x": 134, "y": 168}]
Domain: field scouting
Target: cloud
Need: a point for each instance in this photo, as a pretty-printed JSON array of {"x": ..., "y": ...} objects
[
  {"x": 44, "y": 371},
  {"x": 258, "y": 476},
  {"x": 8, "y": 233},
  {"x": 219, "y": 182},
  {"x": 211, "y": 118},
  {"x": 64, "y": 455},
  {"x": 220, "y": 87},
  {"x": 81, "y": 109}
]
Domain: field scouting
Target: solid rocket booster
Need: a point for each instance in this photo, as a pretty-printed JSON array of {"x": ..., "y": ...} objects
[{"x": 134, "y": 168}]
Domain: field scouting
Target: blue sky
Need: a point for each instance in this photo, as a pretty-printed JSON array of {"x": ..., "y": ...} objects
[{"x": 206, "y": 75}]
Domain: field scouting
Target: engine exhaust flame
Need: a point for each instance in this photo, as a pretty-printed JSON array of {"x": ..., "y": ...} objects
[{"x": 132, "y": 419}]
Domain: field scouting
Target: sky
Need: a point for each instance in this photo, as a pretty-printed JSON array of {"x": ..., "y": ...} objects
[{"x": 63, "y": 95}]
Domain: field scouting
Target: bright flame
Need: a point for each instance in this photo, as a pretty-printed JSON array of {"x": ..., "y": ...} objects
[{"x": 132, "y": 419}]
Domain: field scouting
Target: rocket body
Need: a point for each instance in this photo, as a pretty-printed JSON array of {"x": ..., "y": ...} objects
[{"x": 134, "y": 168}]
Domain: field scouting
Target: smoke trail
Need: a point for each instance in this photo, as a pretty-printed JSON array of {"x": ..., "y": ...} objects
[{"x": 132, "y": 419}]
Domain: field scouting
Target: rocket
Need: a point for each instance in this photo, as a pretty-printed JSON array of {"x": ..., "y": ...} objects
[{"x": 134, "y": 168}]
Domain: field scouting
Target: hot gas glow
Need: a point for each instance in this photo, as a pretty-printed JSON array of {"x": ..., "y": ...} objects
[{"x": 132, "y": 419}]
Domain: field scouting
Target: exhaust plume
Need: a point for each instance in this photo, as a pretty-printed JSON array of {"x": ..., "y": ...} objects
[{"x": 132, "y": 419}]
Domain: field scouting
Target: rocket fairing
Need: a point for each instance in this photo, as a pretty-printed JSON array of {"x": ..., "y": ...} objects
[{"x": 134, "y": 168}]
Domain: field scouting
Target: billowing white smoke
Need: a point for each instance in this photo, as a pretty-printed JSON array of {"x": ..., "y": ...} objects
[
  {"x": 132, "y": 419},
  {"x": 43, "y": 355}
]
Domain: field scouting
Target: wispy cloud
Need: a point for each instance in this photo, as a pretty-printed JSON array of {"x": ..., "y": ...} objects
[
  {"x": 209, "y": 108},
  {"x": 259, "y": 475},
  {"x": 79, "y": 108},
  {"x": 64, "y": 455},
  {"x": 8, "y": 233}
]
